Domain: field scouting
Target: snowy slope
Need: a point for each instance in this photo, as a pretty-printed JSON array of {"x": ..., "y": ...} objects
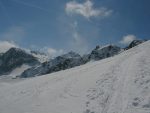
[
  {"x": 11, "y": 77},
  {"x": 120, "y": 84},
  {"x": 19, "y": 70}
]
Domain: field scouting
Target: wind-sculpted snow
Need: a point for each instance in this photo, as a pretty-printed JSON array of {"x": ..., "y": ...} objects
[{"x": 119, "y": 84}]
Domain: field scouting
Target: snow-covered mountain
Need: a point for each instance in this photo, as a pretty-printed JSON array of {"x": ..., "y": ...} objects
[
  {"x": 104, "y": 52},
  {"x": 134, "y": 43},
  {"x": 119, "y": 84},
  {"x": 42, "y": 57},
  {"x": 18, "y": 58},
  {"x": 63, "y": 62},
  {"x": 15, "y": 58},
  {"x": 70, "y": 60}
]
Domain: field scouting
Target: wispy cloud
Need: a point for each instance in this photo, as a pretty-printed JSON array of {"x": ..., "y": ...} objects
[
  {"x": 78, "y": 42},
  {"x": 128, "y": 39},
  {"x": 15, "y": 33},
  {"x": 30, "y": 5},
  {"x": 86, "y": 9},
  {"x": 5, "y": 46},
  {"x": 51, "y": 52}
]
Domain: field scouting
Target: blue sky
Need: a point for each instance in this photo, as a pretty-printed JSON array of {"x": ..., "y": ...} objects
[{"x": 78, "y": 25}]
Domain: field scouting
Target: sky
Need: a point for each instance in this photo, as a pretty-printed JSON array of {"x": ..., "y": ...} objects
[{"x": 59, "y": 26}]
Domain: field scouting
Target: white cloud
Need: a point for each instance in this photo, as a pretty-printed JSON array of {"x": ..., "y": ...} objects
[
  {"x": 5, "y": 46},
  {"x": 14, "y": 33},
  {"x": 128, "y": 39},
  {"x": 51, "y": 52},
  {"x": 86, "y": 9},
  {"x": 78, "y": 42}
]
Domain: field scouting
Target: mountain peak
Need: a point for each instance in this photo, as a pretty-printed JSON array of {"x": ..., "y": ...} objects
[
  {"x": 15, "y": 57},
  {"x": 104, "y": 52},
  {"x": 135, "y": 43},
  {"x": 15, "y": 49},
  {"x": 71, "y": 54}
]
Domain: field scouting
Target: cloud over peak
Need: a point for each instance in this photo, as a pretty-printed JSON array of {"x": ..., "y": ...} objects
[
  {"x": 86, "y": 9},
  {"x": 128, "y": 39},
  {"x": 5, "y": 46}
]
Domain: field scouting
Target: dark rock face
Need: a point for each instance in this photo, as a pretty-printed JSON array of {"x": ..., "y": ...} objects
[
  {"x": 63, "y": 62},
  {"x": 14, "y": 58},
  {"x": 134, "y": 43},
  {"x": 104, "y": 52}
]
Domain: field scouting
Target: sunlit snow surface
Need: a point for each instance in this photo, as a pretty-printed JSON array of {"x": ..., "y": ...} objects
[{"x": 120, "y": 84}]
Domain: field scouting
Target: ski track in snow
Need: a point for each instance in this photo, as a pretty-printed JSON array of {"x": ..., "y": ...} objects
[{"x": 120, "y": 84}]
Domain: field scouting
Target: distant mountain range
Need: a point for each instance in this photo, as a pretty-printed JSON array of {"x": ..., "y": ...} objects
[{"x": 41, "y": 65}]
